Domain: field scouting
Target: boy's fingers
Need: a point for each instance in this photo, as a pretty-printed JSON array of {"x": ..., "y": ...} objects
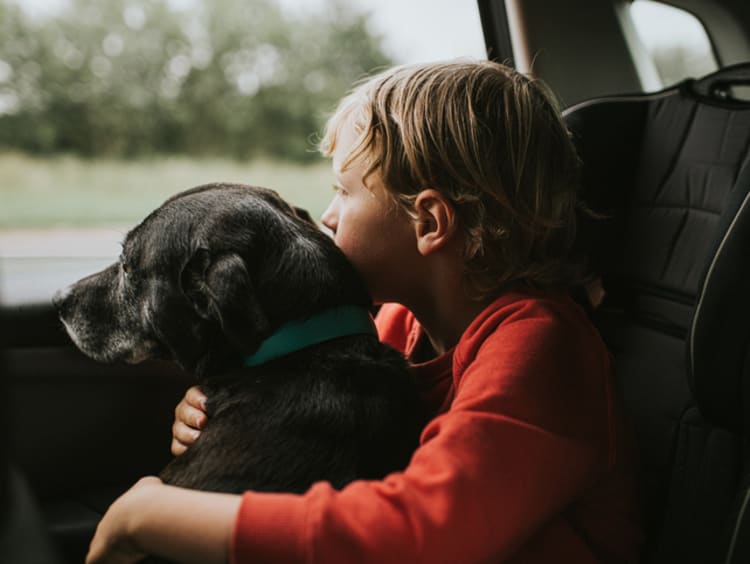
[
  {"x": 189, "y": 419},
  {"x": 189, "y": 415},
  {"x": 184, "y": 434},
  {"x": 177, "y": 448},
  {"x": 196, "y": 398},
  {"x": 182, "y": 437}
]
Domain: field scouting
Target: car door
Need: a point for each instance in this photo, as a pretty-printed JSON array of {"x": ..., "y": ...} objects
[{"x": 80, "y": 432}]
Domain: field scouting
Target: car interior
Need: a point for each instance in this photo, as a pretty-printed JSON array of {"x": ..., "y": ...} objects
[
  {"x": 670, "y": 249},
  {"x": 666, "y": 180},
  {"x": 667, "y": 175}
]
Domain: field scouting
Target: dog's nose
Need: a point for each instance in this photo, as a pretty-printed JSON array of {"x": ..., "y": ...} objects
[{"x": 59, "y": 298}]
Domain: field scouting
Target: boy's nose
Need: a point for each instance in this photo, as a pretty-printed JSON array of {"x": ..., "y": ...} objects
[{"x": 329, "y": 219}]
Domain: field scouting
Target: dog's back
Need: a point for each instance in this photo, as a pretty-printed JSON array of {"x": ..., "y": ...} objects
[{"x": 340, "y": 411}]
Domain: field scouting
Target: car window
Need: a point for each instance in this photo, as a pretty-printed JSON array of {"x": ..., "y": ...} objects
[
  {"x": 107, "y": 107},
  {"x": 675, "y": 45}
]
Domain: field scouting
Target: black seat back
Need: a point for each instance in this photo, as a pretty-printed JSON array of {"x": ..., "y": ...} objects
[{"x": 669, "y": 175}]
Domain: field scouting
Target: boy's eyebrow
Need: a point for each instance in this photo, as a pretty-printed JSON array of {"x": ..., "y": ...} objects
[
  {"x": 336, "y": 163},
  {"x": 338, "y": 174}
]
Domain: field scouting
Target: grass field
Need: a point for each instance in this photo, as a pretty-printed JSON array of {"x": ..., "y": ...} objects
[{"x": 66, "y": 191}]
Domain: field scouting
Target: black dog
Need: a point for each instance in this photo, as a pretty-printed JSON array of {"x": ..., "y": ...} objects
[{"x": 246, "y": 292}]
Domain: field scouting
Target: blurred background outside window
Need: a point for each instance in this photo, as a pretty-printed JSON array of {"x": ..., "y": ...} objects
[
  {"x": 676, "y": 44},
  {"x": 107, "y": 107}
]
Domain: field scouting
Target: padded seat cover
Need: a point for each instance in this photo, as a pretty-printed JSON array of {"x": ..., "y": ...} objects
[{"x": 668, "y": 176}]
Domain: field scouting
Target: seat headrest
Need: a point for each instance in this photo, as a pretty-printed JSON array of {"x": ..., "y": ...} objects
[{"x": 668, "y": 175}]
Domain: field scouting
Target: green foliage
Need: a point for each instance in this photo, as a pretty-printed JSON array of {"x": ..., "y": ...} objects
[
  {"x": 70, "y": 191},
  {"x": 236, "y": 78}
]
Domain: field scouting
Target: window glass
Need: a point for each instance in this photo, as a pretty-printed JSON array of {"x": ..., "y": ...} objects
[
  {"x": 107, "y": 107},
  {"x": 675, "y": 41}
]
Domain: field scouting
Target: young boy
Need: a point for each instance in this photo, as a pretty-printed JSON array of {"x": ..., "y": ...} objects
[{"x": 455, "y": 200}]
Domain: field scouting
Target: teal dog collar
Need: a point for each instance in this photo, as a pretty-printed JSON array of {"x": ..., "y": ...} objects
[{"x": 324, "y": 326}]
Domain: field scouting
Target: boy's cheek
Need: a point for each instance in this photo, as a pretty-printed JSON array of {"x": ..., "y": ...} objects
[{"x": 353, "y": 252}]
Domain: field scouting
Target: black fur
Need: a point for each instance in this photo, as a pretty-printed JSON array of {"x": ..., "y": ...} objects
[{"x": 204, "y": 280}]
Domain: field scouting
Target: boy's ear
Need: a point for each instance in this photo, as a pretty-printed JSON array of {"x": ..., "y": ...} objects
[{"x": 435, "y": 222}]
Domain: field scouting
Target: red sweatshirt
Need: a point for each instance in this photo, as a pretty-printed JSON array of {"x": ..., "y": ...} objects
[{"x": 525, "y": 460}]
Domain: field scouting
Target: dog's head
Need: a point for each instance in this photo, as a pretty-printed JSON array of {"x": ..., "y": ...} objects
[{"x": 205, "y": 278}]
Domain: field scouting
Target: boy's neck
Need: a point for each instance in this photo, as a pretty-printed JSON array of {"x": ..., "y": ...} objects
[
  {"x": 440, "y": 301},
  {"x": 444, "y": 322}
]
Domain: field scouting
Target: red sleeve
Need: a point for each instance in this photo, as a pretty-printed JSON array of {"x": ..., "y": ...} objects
[
  {"x": 527, "y": 434},
  {"x": 397, "y": 327}
]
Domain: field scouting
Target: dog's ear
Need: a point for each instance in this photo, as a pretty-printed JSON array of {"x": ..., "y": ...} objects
[
  {"x": 304, "y": 215},
  {"x": 193, "y": 281},
  {"x": 221, "y": 290}
]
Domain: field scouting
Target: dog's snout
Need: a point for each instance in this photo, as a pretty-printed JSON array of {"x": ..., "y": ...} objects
[{"x": 58, "y": 300}]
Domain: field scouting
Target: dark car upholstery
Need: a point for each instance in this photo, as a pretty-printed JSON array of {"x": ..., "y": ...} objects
[
  {"x": 79, "y": 433},
  {"x": 668, "y": 175}
]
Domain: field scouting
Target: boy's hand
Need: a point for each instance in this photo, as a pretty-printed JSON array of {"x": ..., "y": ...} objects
[
  {"x": 189, "y": 419},
  {"x": 111, "y": 543}
]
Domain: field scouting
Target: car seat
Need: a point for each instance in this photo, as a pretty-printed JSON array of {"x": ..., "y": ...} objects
[{"x": 667, "y": 176}]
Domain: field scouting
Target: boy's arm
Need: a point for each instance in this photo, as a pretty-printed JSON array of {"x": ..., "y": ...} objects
[
  {"x": 531, "y": 430},
  {"x": 174, "y": 523}
]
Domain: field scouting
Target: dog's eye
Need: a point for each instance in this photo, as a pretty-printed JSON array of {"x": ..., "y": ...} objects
[{"x": 125, "y": 267}]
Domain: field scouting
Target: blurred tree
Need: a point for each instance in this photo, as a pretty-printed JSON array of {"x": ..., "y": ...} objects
[{"x": 130, "y": 77}]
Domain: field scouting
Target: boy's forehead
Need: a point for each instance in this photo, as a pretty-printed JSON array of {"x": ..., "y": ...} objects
[{"x": 346, "y": 140}]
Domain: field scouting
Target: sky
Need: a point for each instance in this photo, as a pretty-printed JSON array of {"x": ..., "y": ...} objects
[{"x": 452, "y": 30}]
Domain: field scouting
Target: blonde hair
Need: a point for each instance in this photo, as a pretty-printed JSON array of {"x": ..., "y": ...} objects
[{"x": 489, "y": 139}]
